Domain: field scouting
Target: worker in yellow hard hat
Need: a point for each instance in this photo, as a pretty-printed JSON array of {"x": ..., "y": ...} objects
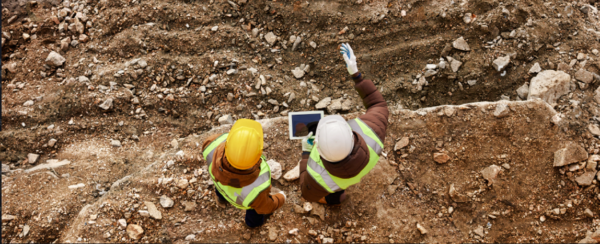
[{"x": 240, "y": 173}]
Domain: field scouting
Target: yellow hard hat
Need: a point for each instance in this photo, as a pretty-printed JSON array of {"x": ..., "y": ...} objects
[{"x": 244, "y": 144}]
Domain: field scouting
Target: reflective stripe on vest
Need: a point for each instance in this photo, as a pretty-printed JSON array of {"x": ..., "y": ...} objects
[
  {"x": 332, "y": 183},
  {"x": 367, "y": 134},
  {"x": 242, "y": 197},
  {"x": 210, "y": 150}
]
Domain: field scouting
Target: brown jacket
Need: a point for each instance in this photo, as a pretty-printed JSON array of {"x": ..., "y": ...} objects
[
  {"x": 376, "y": 117},
  {"x": 265, "y": 203}
]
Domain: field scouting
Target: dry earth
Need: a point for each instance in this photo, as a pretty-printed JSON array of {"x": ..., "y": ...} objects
[{"x": 144, "y": 82}]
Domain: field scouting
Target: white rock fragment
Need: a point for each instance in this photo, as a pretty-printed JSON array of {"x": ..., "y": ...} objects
[
  {"x": 535, "y": 69},
  {"x": 166, "y": 202},
  {"x": 293, "y": 174},
  {"x": 501, "y": 63},
  {"x": 55, "y": 59},
  {"x": 275, "y": 167},
  {"x": 461, "y": 44},
  {"x": 549, "y": 85},
  {"x": 76, "y": 186},
  {"x": 226, "y": 120}
]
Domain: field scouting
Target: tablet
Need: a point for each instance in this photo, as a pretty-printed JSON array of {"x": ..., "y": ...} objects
[{"x": 301, "y": 123}]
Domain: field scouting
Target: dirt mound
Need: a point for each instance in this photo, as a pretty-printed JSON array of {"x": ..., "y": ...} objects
[{"x": 132, "y": 88}]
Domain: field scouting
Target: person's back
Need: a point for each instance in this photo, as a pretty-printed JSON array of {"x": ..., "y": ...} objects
[
  {"x": 345, "y": 151},
  {"x": 240, "y": 173}
]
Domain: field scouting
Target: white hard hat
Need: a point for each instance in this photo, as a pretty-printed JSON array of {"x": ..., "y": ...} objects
[{"x": 334, "y": 138}]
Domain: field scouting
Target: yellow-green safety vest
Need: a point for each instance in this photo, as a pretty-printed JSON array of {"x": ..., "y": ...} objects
[
  {"x": 332, "y": 183},
  {"x": 239, "y": 197}
]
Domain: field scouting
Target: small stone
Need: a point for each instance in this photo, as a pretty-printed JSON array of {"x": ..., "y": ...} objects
[
  {"x": 506, "y": 166},
  {"x": 502, "y": 110},
  {"x": 166, "y": 202},
  {"x": 580, "y": 56},
  {"x": 189, "y": 206},
  {"x": 298, "y": 209},
  {"x": 293, "y": 232},
  {"x": 319, "y": 210},
  {"x": 535, "y": 69},
  {"x": 298, "y": 73},
  {"x": 313, "y": 44},
  {"x": 275, "y": 167},
  {"x": 122, "y": 223},
  {"x": 421, "y": 229},
  {"x": 327, "y": 240},
  {"x": 271, "y": 38},
  {"x": 84, "y": 38},
  {"x": 584, "y": 76},
  {"x": 441, "y": 158},
  {"x": 214, "y": 28},
  {"x": 226, "y": 120},
  {"x": 25, "y": 230},
  {"x": 501, "y": 63},
  {"x": 76, "y": 186},
  {"x": 454, "y": 64},
  {"x": 490, "y": 173},
  {"x": 323, "y": 103},
  {"x": 232, "y": 71},
  {"x": 401, "y": 143},
  {"x": 25, "y": 36},
  {"x": 307, "y": 207},
  {"x": 523, "y": 91},
  {"x": 135, "y": 231},
  {"x": 107, "y": 104},
  {"x": 32, "y": 158},
  {"x": 588, "y": 213},
  {"x": 594, "y": 129},
  {"x": 273, "y": 233},
  {"x": 115, "y": 143},
  {"x": 293, "y": 174},
  {"x": 55, "y": 59},
  {"x": 312, "y": 232},
  {"x": 572, "y": 153},
  {"x": 144, "y": 213},
  {"x": 182, "y": 183},
  {"x": 461, "y": 44},
  {"x": 586, "y": 178},
  {"x": 8, "y": 218},
  {"x": 190, "y": 237},
  {"x": 153, "y": 211},
  {"x": 52, "y": 142},
  {"x": 479, "y": 231}
]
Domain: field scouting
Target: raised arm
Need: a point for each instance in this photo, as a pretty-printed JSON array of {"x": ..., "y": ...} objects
[{"x": 377, "y": 110}]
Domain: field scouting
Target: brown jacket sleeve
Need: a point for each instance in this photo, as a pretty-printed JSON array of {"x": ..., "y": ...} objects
[
  {"x": 311, "y": 190},
  {"x": 209, "y": 140},
  {"x": 377, "y": 113},
  {"x": 265, "y": 203}
]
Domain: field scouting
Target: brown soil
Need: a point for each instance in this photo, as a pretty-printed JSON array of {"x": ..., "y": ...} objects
[{"x": 175, "y": 38}]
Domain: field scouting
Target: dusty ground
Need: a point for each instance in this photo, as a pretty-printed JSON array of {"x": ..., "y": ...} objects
[{"x": 171, "y": 75}]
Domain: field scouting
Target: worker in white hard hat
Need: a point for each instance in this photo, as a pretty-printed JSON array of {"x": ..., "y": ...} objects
[{"x": 342, "y": 152}]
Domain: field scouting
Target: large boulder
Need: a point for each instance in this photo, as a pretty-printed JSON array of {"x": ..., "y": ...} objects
[{"x": 549, "y": 85}]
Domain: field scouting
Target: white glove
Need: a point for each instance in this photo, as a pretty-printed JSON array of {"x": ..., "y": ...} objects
[
  {"x": 349, "y": 57},
  {"x": 275, "y": 191},
  {"x": 308, "y": 142}
]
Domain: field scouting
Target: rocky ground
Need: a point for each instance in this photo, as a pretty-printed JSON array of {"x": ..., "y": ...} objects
[{"x": 494, "y": 134}]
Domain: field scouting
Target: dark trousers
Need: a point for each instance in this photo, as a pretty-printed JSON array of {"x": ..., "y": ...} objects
[
  {"x": 334, "y": 198},
  {"x": 253, "y": 219}
]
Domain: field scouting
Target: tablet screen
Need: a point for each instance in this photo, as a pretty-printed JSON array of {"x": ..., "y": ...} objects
[{"x": 301, "y": 123}]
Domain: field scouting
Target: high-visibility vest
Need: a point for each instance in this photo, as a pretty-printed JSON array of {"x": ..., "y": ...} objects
[
  {"x": 332, "y": 183},
  {"x": 239, "y": 197}
]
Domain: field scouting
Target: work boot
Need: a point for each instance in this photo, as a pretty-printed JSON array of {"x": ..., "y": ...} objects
[
  {"x": 344, "y": 197},
  {"x": 221, "y": 202}
]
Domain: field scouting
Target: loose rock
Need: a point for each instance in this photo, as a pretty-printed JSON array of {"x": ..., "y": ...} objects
[
  {"x": 135, "y": 231},
  {"x": 323, "y": 103},
  {"x": 584, "y": 76},
  {"x": 501, "y": 63},
  {"x": 549, "y": 85},
  {"x": 293, "y": 174},
  {"x": 461, "y": 44},
  {"x": 275, "y": 169},
  {"x": 535, "y": 69},
  {"x": 421, "y": 229},
  {"x": 55, "y": 59},
  {"x": 226, "y": 120},
  {"x": 441, "y": 158},
  {"x": 107, "y": 104},
  {"x": 166, "y": 202},
  {"x": 33, "y": 158},
  {"x": 490, "y": 173},
  {"x": 153, "y": 211},
  {"x": 572, "y": 153}
]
